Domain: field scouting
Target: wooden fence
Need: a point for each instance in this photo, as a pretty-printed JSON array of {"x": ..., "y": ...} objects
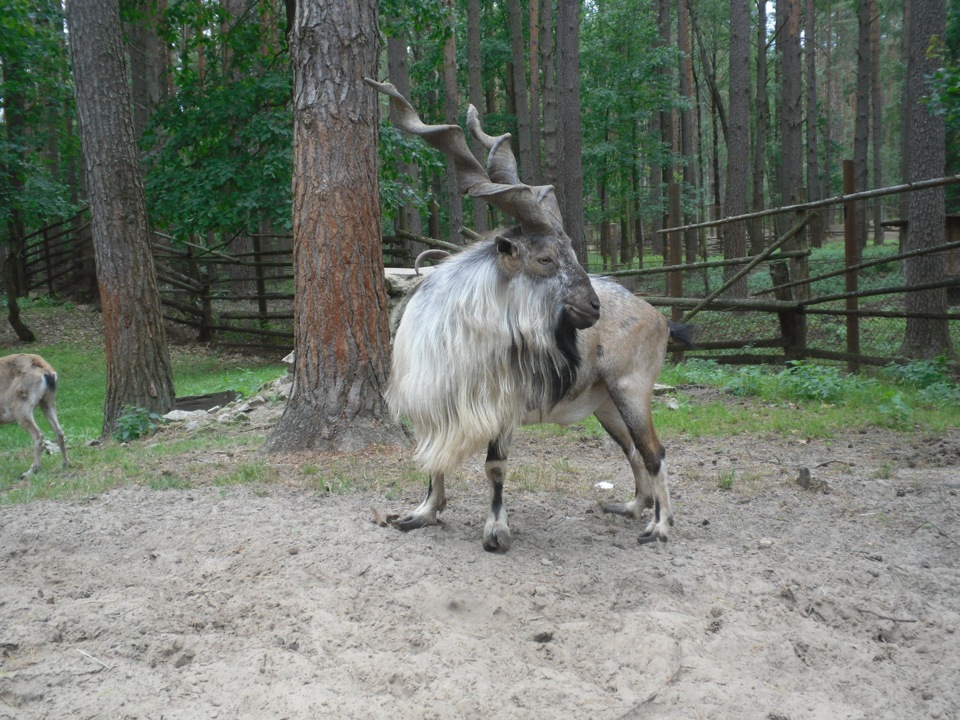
[{"x": 841, "y": 307}]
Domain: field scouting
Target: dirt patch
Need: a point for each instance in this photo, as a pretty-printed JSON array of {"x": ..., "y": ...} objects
[{"x": 285, "y": 601}]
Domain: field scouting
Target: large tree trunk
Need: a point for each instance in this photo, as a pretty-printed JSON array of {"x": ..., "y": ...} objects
[
  {"x": 138, "y": 364},
  {"x": 569, "y": 132},
  {"x": 738, "y": 141},
  {"x": 925, "y": 337},
  {"x": 341, "y": 321}
]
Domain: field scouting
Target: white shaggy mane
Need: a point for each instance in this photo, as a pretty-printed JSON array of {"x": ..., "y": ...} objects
[{"x": 474, "y": 352}]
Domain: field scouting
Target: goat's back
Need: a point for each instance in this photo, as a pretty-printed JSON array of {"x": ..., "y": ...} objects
[{"x": 24, "y": 379}]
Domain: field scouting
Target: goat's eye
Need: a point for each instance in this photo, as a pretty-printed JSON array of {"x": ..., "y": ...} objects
[{"x": 544, "y": 260}]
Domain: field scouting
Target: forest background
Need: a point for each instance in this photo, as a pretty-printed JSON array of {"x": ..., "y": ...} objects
[
  {"x": 211, "y": 89},
  {"x": 748, "y": 105}
]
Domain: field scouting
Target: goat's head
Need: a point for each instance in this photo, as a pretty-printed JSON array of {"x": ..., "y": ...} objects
[{"x": 538, "y": 248}]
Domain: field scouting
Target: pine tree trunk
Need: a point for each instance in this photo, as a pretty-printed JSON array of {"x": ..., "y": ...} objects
[
  {"x": 862, "y": 118},
  {"x": 520, "y": 91},
  {"x": 925, "y": 337},
  {"x": 475, "y": 63},
  {"x": 340, "y": 315},
  {"x": 398, "y": 69},
  {"x": 755, "y": 228},
  {"x": 876, "y": 120},
  {"x": 738, "y": 141},
  {"x": 816, "y": 228},
  {"x": 451, "y": 108},
  {"x": 548, "y": 63},
  {"x": 138, "y": 364},
  {"x": 535, "y": 174},
  {"x": 569, "y": 129}
]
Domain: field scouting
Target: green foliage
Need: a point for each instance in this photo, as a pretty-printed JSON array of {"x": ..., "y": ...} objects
[
  {"x": 748, "y": 381},
  {"x": 36, "y": 96},
  {"x": 218, "y": 153},
  {"x": 135, "y": 423},
  {"x": 806, "y": 381},
  {"x": 919, "y": 373}
]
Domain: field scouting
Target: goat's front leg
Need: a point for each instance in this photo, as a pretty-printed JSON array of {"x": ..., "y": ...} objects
[
  {"x": 30, "y": 425},
  {"x": 426, "y": 513},
  {"x": 496, "y": 531}
]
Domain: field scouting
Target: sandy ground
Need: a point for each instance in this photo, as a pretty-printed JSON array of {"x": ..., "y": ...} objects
[{"x": 771, "y": 600}]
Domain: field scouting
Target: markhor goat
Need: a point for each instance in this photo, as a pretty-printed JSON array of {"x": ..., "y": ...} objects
[
  {"x": 512, "y": 331},
  {"x": 25, "y": 382}
]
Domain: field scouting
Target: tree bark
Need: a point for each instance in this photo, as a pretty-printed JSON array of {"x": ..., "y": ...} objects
[
  {"x": 535, "y": 174},
  {"x": 755, "y": 228},
  {"x": 451, "y": 107},
  {"x": 138, "y": 364},
  {"x": 340, "y": 315},
  {"x": 876, "y": 120},
  {"x": 925, "y": 337},
  {"x": 817, "y": 228},
  {"x": 475, "y": 64},
  {"x": 569, "y": 129},
  {"x": 738, "y": 142},
  {"x": 686, "y": 125},
  {"x": 148, "y": 63},
  {"x": 548, "y": 63},
  {"x": 520, "y": 91},
  {"x": 862, "y": 118},
  {"x": 398, "y": 68}
]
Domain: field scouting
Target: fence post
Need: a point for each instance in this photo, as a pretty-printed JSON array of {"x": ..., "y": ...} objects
[
  {"x": 851, "y": 258},
  {"x": 675, "y": 250},
  {"x": 46, "y": 260},
  {"x": 261, "y": 284}
]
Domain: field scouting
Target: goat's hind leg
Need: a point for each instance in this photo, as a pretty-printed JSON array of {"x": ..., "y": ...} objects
[
  {"x": 646, "y": 456},
  {"x": 49, "y": 408},
  {"x": 496, "y": 531},
  {"x": 426, "y": 513}
]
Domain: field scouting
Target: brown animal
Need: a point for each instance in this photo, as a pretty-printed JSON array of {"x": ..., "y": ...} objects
[
  {"x": 513, "y": 331},
  {"x": 27, "y": 381}
]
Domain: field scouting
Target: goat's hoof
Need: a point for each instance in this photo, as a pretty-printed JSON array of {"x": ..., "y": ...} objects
[
  {"x": 615, "y": 508},
  {"x": 652, "y": 535},
  {"x": 498, "y": 540},
  {"x": 413, "y": 522}
]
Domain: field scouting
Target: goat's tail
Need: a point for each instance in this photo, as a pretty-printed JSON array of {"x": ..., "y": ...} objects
[
  {"x": 51, "y": 378},
  {"x": 681, "y": 332}
]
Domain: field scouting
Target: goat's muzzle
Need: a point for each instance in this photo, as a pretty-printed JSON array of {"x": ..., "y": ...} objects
[{"x": 583, "y": 312}]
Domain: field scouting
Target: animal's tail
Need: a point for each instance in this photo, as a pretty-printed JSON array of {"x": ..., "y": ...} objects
[
  {"x": 682, "y": 333},
  {"x": 51, "y": 379}
]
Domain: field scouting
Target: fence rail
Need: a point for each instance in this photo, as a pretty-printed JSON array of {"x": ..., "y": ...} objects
[{"x": 836, "y": 305}]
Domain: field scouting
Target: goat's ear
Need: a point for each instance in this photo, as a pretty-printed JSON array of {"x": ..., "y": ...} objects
[{"x": 506, "y": 246}]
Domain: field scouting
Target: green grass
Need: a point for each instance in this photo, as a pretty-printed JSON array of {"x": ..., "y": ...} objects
[{"x": 803, "y": 399}]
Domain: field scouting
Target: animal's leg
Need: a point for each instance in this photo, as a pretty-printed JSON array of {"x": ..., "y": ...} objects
[
  {"x": 651, "y": 480},
  {"x": 49, "y": 408},
  {"x": 496, "y": 532},
  {"x": 613, "y": 423},
  {"x": 30, "y": 425},
  {"x": 426, "y": 513}
]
